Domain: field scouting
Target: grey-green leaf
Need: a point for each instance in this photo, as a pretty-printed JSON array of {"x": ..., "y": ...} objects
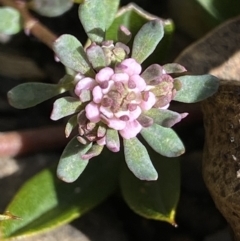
[
  {"x": 65, "y": 106},
  {"x": 71, "y": 53},
  {"x": 138, "y": 160},
  {"x": 112, "y": 140},
  {"x": 195, "y": 88},
  {"x": 30, "y": 94},
  {"x": 9, "y": 21},
  {"x": 96, "y": 57},
  {"x": 71, "y": 124},
  {"x": 51, "y": 8},
  {"x": 147, "y": 39},
  {"x": 165, "y": 118},
  {"x": 96, "y": 16},
  {"x": 172, "y": 68},
  {"x": 71, "y": 165},
  {"x": 163, "y": 140}
]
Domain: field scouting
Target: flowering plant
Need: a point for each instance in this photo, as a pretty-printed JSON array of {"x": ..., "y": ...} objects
[{"x": 115, "y": 98}]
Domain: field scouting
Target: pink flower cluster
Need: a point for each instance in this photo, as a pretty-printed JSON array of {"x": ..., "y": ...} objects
[{"x": 117, "y": 97}]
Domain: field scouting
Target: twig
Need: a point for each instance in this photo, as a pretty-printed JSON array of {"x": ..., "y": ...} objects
[
  {"x": 15, "y": 143},
  {"x": 31, "y": 25}
]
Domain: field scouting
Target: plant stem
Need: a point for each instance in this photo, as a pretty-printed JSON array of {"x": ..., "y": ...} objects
[
  {"x": 15, "y": 143},
  {"x": 31, "y": 25}
]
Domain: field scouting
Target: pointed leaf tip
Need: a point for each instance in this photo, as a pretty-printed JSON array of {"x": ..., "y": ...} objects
[
  {"x": 147, "y": 39},
  {"x": 71, "y": 53}
]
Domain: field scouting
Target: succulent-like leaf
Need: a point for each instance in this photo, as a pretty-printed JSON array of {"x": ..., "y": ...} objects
[
  {"x": 71, "y": 53},
  {"x": 165, "y": 118},
  {"x": 195, "y": 88},
  {"x": 30, "y": 94},
  {"x": 71, "y": 124},
  {"x": 163, "y": 140},
  {"x": 138, "y": 160},
  {"x": 96, "y": 57},
  {"x": 147, "y": 39},
  {"x": 96, "y": 16},
  {"x": 44, "y": 202},
  {"x": 9, "y": 21},
  {"x": 51, "y": 8},
  {"x": 71, "y": 165},
  {"x": 153, "y": 72},
  {"x": 172, "y": 68},
  {"x": 65, "y": 106},
  {"x": 154, "y": 200},
  {"x": 95, "y": 150},
  {"x": 112, "y": 140}
]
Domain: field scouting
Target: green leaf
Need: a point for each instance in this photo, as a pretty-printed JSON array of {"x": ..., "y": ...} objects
[
  {"x": 138, "y": 160},
  {"x": 112, "y": 140},
  {"x": 195, "y": 88},
  {"x": 71, "y": 53},
  {"x": 147, "y": 39},
  {"x": 71, "y": 124},
  {"x": 165, "y": 118},
  {"x": 30, "y": 94},
  {"x": 10, "y": 21},
  {"x": 132, "y": 17},
  {"x": 154, "y": 200},
  {"x": 96, "y": 57},
  {"x": 45, "y": 202},
  {"x": 96, "y": 16},
  {"x": 172, "y": 68},
  {"x": 163, "y": 140},
  {"x": 51, "y": 8},
  {"x": 71, "y": 164},
  {"x": 65, "y": 106}
]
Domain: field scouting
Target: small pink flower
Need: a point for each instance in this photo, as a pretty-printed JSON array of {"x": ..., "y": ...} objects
[{"x": 118, "y": 98}]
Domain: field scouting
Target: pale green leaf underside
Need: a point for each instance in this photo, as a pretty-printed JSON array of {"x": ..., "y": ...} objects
[
  {"x": 30, "y": 94},
  {"x": 163, "y": 140},
  {"x": 138, "y": 160},
  {"x": 71, "y": 53},
  {"x": 51, "y": 8},
  {"x": 65, "y": 106},
  {"x": 196, "y": 88},
  {"x": 147, "y": 39},
  {"x": 9, "y": 21},
  {"x": 165, "y": 118},
  {"x": 96, "y": 16},
  {"x": 71, "y": 165}
]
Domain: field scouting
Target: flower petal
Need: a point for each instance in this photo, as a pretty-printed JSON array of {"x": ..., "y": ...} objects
[
  {"x": 106, "y": 111},
  {"x": 133, "y": 115},
  {"x": 97, "y": 94},
  {"x": 104, "y": 74},
  {"x": 139, "y": 81},
  {"x": 147, "y": 105},
  {"x": 131, "y": 130},
  {"x": 120, "y": 77},
  {"x": 116, "y": 124},
  {"x": 85, "y": 83},
  {"x": 132, "y": 67},
  {"x": 92, "y": 112}
]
